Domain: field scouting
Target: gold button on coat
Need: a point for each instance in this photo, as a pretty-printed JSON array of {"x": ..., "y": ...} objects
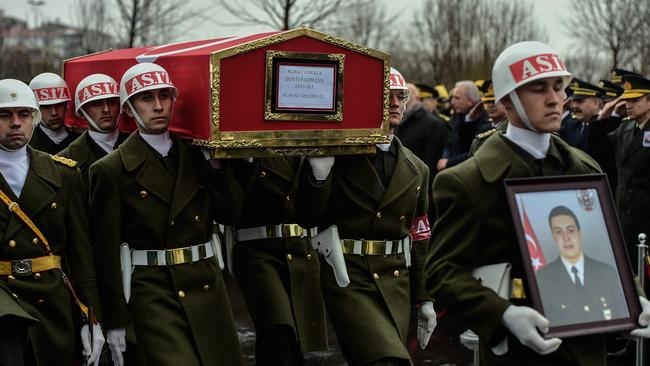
[
  {"x": 375, "y": 276},
  {"x": 181, "y": 294},
  {"x": 144, "y": 194},
  {"x": 37, "y": 276},
  {"x": 308, "y": 257},
  {"x": 289, "y": 257},
  {"x": 402, "y": 218},
  {"x": 15, "y": 296},
  {"x": 171, "y": 223},
  {"x": 196, "y": 219},
  {"x": 35, "y": 241},
  {"x": 206, "y": 288},
  {"x": 12, "y": 243},
  {"x": 54, "y": 206},
  {"x": 41, "y": 301},
  {"x": 288, "y": 198},
  {"x": 418, "y": 189},
  {"x": 379, "y": 215},
  {"x": 263, "y": 174},
  {"x": 396, "y": 273}
]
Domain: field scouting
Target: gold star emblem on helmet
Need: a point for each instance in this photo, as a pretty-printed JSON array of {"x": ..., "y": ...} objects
[
  {"x": 13, "y": 95},
  {"x": 627, "y": 85}
]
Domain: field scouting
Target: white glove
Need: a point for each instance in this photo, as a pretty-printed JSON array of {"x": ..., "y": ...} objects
[
  {"x": 95, "y": 351},
  {"x": 644, "y": 320},
  {"x": 426, "y": 323},
  {"x": 116, "y": 339},
  {"x": 524, "y": 323},
  {"x": 321, "y": 167}
]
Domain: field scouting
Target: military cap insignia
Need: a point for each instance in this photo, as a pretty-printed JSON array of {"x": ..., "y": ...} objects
[
  {"x": 627, "y": 85},
  {"x": 575, "y": 85},
  {"x": 601, "y": 84},
  {"x": 13, "y": 95},
  {"x": 65, "y": 161}
]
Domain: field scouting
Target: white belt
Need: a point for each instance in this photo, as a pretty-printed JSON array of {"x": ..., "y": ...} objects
[
  {"x": 170, "y": 257},
  {"x": 274, "y": 231}
]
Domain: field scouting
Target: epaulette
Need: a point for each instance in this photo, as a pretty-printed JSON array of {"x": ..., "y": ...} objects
[
  {"x": 486, "y": 134},
  {"x": 65, "y": 161}
]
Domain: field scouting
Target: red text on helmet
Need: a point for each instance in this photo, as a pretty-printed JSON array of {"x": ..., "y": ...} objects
[
  {"x": 146, "y": 79},
  {"x": 97, "y": 89},
  {"x": 535, "y": 65},
  {"x": 45, "y": 94},
  {"x": 396, "y": 80}
]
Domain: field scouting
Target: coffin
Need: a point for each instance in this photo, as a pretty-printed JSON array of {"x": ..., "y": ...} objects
[{"x": 298, "y": 92}]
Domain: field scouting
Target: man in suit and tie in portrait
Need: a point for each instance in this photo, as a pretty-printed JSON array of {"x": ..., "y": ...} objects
[{"x": 576, "y": 288}]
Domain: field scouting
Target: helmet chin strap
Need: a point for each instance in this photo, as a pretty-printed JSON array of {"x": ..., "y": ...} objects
[
  {"x": 521, "y": 111},
  {"x": 138, "y": 120},
  {"x": 92, "y": 123}
]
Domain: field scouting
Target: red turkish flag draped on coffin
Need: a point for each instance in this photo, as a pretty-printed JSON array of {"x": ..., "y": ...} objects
[{"x": 262, "y": 94}]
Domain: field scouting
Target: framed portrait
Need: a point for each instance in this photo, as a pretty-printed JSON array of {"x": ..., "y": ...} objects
[
  {"x": 303, "y": 86},
  {"x": 577, "y": 270}
]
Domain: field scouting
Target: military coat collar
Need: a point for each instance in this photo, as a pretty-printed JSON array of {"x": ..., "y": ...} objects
[
  {"x": 140, "y": 158},
  {"x": 497, "y": 160},
  {"x": 364, "y": 177}
]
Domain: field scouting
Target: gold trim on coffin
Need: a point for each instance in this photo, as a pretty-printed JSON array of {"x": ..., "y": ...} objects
[
  {"x": 265, "y": 140},
  {"x": 289, "y": 151},
  {"x": 269, "y": 115}
]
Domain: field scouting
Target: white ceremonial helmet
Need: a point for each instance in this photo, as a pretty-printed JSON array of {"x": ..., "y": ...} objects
[
  {"x": 397, "y": 81},
  {"x": 522, "y": 63},
  {"x": 49, "y": 89},
  {"x": 142, "y": 77},
  {"x": 14, "y": 94},
  {"x": 94, "y": 87}
]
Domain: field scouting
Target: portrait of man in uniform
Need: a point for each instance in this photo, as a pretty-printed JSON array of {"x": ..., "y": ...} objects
[{"x": 574, "y": 287}]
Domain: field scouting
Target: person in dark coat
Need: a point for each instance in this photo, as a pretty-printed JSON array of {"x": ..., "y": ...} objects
[
  {"x": 629, "y": 144},
  {"x": 275, "y": 265},
  {"x": 378, "y": 206},
  {"x": 153, "y": 202},
  {"x": 45, "y": 251},
  {"x": 574, "y": 287},
  {"x": 468, "y": 121},
  {"x": 100, "y": 107},
  {"x": 475, "y": 228},
  {"x": 51, "y": 135}
]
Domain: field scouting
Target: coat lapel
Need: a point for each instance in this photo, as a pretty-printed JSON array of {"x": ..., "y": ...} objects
[
  {"x": 364, "y": 178},
  {"x": 39, "y": 190},
  {"x": 635, "y": 140},
  {"x": 188, "y": 180},
  {"x": 404, "y": 177},
  {"x": 139, "y": 158}
]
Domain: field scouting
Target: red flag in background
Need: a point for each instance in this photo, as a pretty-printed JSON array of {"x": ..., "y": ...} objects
[{"x": 536, "y": 253}]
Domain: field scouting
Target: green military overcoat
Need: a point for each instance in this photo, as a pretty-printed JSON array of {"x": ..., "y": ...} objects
[
  {"x": 181, "y": 314},
  {"x": 52, "y": 198},
  {"x": 41, "y": 141},
  {"x": 85, "y": 151},
  {"x": 474, "y": 228},
  {"x": 371, "y": 315},
  {"x": 280, "y": 278}
]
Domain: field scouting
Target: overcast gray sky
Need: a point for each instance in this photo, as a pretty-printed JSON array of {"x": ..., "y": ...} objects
[{"x": 550, "y": 14}]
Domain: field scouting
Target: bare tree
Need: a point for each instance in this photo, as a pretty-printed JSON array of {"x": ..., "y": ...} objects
[
  {"x": 460, "y": 39},
  {"x": 155, "y": 21},
  {"x": 280, "y": 14},
  {"x": 363, "y": 21},
  {"x": 92, "y": 18},
  {"x": 608, "y": 26},
  {"x": 587, "y": 65}
]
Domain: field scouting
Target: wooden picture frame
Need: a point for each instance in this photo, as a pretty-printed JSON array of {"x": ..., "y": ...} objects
[{"x": 577, "y": 268}]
